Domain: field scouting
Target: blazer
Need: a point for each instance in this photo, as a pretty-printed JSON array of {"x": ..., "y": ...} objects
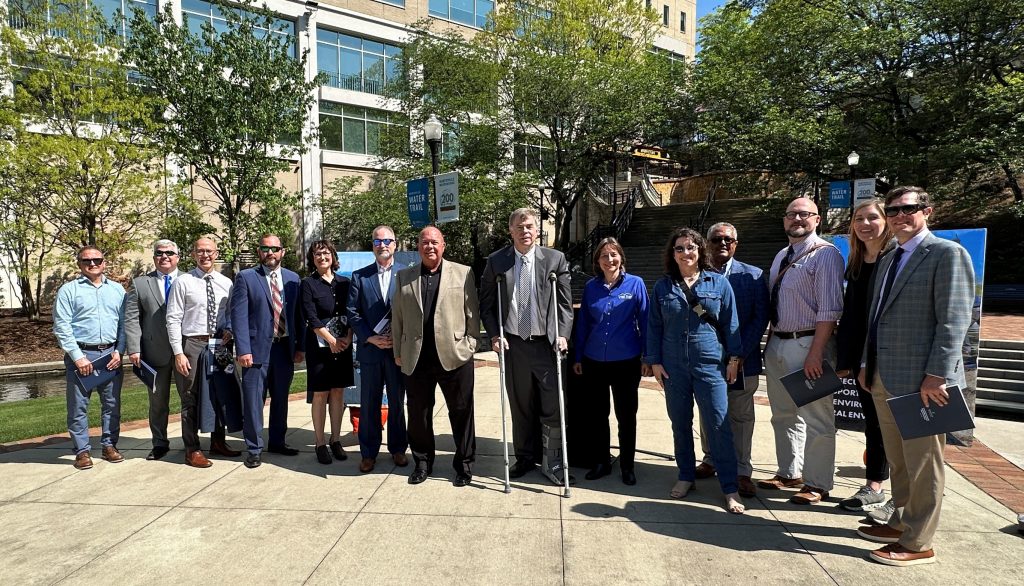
[
  {"x": 252, "y": 312},
  {"x": 503, "y": 262},
  {"x": 922, "y": 326},
  {"x": 145, "y": 316},
  {"x": 750, "y": 288},
  {"x": 456, "y": 317},
  {"x": 366, "y": 307}
]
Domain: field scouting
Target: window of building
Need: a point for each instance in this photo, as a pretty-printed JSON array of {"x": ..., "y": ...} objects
[
  {"x": 664, "y": 15},
  {"x": 532, "y": 153},
  {"x": 20, "y": 11},
  {"x": 355, "y": 63},
  {"x": 682, "y": 22},
  {"x": 196, "y": 12},
  {"x": 469, "y": 12},
  {"x": 354, "y": 129},
  {"x": 395, "y": 2}
]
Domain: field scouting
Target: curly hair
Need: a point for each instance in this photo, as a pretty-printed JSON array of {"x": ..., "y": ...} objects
[{"x": 703, "y": 259}]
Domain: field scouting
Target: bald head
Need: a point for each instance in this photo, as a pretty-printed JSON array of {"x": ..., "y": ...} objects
[{"x": 431, "y": 247}]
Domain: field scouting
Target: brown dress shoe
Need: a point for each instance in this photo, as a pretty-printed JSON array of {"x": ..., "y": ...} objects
[
  {"x": 778, "y": 482},
  {"x": 221, "y": 448},
  {"x": 400, "y": 460},
  {"x": 704, "y": 470},
  {"x": 83, "y": 461},
  {"x": 879, "y": 533},
  {"x": 809, "y": 495},
  {"x": 110, "y": 454},
  {"x": 746, "y": 488},
  {"x": 367, "y": 465},
  {"x": 896, "y": 555},
  {"x": 196, "y": 459}
]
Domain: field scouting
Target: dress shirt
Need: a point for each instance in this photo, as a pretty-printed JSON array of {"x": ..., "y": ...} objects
[
  {"x": 160, "y": 276},
  {"x": 812, "y": 287},
  {"x": 725, "y": 270},
  {"x": 89, "y": 314},
  {"x": 430, "y": 285},
  {"x": 186, "y": 309},
  {"x": 384, "y": 278},
  {"x": 512, "y": 323},
  {"x": 612, "y": 322}
]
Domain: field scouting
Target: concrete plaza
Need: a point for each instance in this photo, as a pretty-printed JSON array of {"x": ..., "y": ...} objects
[{"x": 294, "y": 521}]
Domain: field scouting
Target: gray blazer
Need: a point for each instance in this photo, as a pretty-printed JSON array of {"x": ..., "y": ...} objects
[
  {"x": 146, "y": 320},
  {"x": 503, "y": 262},
  {"x": 922, "y": 327}
]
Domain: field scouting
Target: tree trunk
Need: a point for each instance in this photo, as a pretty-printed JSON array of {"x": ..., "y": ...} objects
[
  {"x": 28, "y": 301},
  {"x": 1011, "y": 181}
]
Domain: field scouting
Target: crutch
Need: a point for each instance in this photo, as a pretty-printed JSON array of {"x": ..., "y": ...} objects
[
  {"x": 553, "y": 277},
  {"x": 500, "y": 279}
]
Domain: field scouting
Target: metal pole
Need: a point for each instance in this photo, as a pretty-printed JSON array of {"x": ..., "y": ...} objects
[
  {"x": 500, "y": 280},
  {"x": 553, "y": 278}
]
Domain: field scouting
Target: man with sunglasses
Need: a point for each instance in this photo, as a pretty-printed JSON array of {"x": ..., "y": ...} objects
[
  {"x": 751, "y": 289},
  {"x": 804, "y": 305},
  {"x": 88, "y": 321},
  {"x": 146, "y": 330},
  {"x": 920, "y": 311},
  {"x": 262, "y": 305},
  {"x": 369, "y": 313}
]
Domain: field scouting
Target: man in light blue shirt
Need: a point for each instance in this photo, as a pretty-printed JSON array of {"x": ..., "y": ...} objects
[{"x": 88, "y": 320}]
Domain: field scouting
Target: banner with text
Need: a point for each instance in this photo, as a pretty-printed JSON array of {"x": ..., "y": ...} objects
[
  {"x": 446, "y": 194},
  {"x": 418, "y": 193}
]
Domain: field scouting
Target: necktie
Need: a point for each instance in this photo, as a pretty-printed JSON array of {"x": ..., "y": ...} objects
[
  {"x": 211, "y": 307},
  {"x": 778, "y": 284},
  {"x": 280, "y": 329},
  {"x": 167, "y": 287},
  {"x": 890, "y": 276},
  {"x": 524, "y": 293}
]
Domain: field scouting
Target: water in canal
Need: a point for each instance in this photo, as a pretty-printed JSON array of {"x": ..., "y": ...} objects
[{"x": 31, "y": 386}]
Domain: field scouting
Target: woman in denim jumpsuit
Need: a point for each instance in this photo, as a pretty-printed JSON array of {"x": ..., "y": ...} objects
[{"x": 689, "y": 360}]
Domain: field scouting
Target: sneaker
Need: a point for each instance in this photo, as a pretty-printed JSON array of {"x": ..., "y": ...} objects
[
  {"x": 864, "y": 496},
  {"x": 882, "y": 514}
]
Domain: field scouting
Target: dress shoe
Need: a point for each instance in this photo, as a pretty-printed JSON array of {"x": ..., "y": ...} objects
[
  {"x": 628, "y": 477},
  {"x": 283, "y": 449},
  {"x": 809, "y": 495},
  {"x": 221, "y": 448},
  {"x": 520, "y": 468},
  {"x": 338, "y": 452},
  {"x": 746, "y": 487},
  {"x": 83, "y": 461},
  {"x": 401, "y": 460},
  {"x": 602, "y": 469},
  {"x": 896, "y": 555},
  {"x": 778, "y": 482},
  {"x": 156, "y": 453},
  {"x": 110, "y": 454},
  {"x": 418, "y": 475},
  {"x": 253, "y": 461},
  {"x": 367, "y": 465},
  {"x": 323, "y": 455},
  {"x": 879, "y": 533},
  {"x": 462, "y": 479},
  {"x": 704, "y": 470},
  {"x": 196, "y": 459}
]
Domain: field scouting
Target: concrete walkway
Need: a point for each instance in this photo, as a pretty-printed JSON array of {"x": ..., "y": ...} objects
[{"x": 294, "y": 521}]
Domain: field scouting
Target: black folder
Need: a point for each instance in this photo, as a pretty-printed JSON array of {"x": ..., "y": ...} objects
[
  {"x": 914, "y": 420},
  {"x": 804, "y": 390},
  {"x": 99, "y": 375}
]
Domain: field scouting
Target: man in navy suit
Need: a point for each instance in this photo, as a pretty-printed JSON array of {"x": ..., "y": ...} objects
[
  {"x": 751, "y": 290},
  {"x": 369, "y": 314},
  {"x": 262, "y": 300}
]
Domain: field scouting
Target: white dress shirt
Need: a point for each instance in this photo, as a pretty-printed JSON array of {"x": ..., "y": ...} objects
[
  {"x": 384, "y": 278},
  {"x": 160, "y": 276},
  {"x": 186, "y": 308}
]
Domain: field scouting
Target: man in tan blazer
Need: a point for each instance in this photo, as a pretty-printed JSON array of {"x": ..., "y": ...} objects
[{"x": 435, "y": 318}]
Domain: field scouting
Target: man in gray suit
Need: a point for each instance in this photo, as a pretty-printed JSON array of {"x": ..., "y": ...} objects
[
  {"x": 146, "y": 329},
  {"x": 920, "y": 310},
  {"x": 525, "y": 267}
]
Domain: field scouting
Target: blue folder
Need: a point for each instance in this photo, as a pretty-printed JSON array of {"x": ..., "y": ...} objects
[{"x": 99, "y": 375}]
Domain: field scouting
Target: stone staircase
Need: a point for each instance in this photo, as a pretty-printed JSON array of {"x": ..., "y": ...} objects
[{"x": 1001, "y": 376}]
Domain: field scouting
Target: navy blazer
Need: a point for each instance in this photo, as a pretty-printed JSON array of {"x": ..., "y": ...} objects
[
  {"x": 366, "y": 307},
  {"x": 750, "y": 286},
  {"x": 252, "y": 312}
]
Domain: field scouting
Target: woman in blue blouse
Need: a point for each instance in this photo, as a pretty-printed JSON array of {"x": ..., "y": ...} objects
[
  {"x": 693, "y": 347},
  {"x": 610, "y": 334}
]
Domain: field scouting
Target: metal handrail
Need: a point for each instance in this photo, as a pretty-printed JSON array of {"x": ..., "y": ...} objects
[
  {"x": 705, "y": 210},
  {"x": 580, "y": 250},
  {"x": 651, "y": 196}
]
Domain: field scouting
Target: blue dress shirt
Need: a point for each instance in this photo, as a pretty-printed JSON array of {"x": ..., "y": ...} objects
[
  {"x": 89, "y": 314},
  {"x": 612, "y": 323}
]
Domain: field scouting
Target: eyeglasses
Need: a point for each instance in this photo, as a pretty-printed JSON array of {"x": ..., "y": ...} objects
[
  {"x": 273, "y": 249},
  {"x": 682, "y": 249},
  {"x": 95, "y": 262},
  {"x": 165, "y": 253},
  {"x": 906, "y": 210},
  {"x": 723, "y": 240},
  {"x": 205, "y": 252},
  {"x": 801, "y": 215},
  {"x": 383, "y": 241}
]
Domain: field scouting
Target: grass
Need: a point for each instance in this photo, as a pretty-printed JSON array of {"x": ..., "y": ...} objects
[{"x": 47, "y": 416}]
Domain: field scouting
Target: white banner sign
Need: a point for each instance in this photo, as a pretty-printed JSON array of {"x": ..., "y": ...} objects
[
  {"x": 863, "y": 189},
  {"x": 446, "y": 194}
]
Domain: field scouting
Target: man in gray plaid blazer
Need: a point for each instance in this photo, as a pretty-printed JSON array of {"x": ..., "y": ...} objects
[{"x": 921, "y": 307}]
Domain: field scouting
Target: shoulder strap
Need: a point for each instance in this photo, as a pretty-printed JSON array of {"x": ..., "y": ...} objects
[
  {"x": 704, "y": 314},
  {"x": 778, "y": 278}
]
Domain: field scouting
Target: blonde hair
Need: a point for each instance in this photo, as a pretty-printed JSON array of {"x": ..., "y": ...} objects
[{"x": 858, "y": 250}]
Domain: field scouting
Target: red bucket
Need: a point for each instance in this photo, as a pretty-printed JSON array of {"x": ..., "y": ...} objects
[{"x": 353, "y": 415}]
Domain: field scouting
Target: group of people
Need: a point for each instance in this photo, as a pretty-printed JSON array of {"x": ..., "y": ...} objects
[{"x": 698, "y": 332}]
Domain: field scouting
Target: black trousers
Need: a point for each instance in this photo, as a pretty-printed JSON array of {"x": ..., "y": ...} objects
[
  {"x": 876, "y": 464},
  {"x": 623, "y": 376},
  {"x": 532, "y": 386},
  {"x": 457, "y": 388},
  {"x": 188, "y": 390}
]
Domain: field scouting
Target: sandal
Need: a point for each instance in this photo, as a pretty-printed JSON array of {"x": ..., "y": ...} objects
[
  {"x": 680, "y": 490},
  {"x": 733, "y": 504}
]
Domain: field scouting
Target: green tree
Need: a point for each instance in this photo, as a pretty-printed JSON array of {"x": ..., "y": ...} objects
[{"x": 237, "y": 104}]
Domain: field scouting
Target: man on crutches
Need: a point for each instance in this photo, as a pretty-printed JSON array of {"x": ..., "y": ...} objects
[{"x": 536, "y": 317}]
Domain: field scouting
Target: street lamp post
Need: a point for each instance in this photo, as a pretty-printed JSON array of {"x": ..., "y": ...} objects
[
  {"x": 853, "y": 159},
  {"x": 432, "y": 132}
]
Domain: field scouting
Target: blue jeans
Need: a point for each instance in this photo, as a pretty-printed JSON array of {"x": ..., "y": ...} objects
[
  {"x": 705, "y": 384},
  {"x": 78, "y": 406}
]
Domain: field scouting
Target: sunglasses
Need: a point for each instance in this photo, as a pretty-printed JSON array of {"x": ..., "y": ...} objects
[
  {"x": 682, "y": 249},
  {"x": 94, "y": 262},
  {"x": 906, "y": 210},
  {"x": 273, "y": 249},
  {"x": 383, "y": 241},
  {"x": 801, "y": 215},
  {"x": 723, "y": 240},
  {"x": 165, "y": 253}
]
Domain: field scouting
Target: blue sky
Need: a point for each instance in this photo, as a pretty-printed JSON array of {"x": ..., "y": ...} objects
[{"x": 704, "y": 7}]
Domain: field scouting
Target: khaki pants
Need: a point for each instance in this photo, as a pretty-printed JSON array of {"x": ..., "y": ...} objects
[
  {"x": 741, "y": 419},
  {"x": 917, "y": 475}
]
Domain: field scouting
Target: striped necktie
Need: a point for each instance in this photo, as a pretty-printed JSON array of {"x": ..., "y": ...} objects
[{"x": 280, "y": 329}]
